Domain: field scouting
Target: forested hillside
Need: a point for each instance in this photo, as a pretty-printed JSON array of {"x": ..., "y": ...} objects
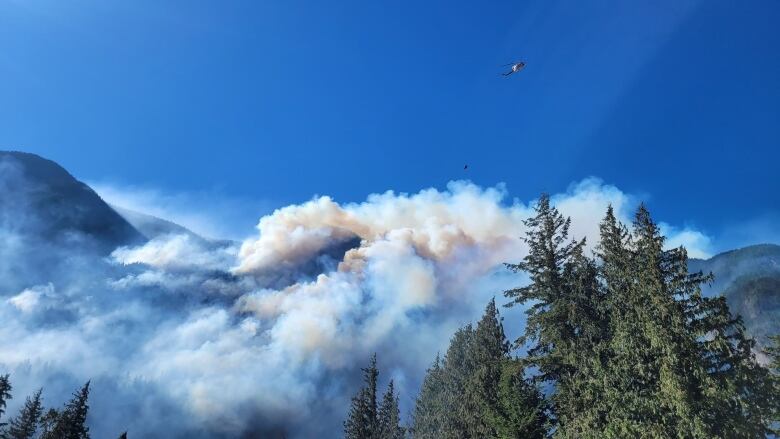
[{"x": 749, "y": 279}]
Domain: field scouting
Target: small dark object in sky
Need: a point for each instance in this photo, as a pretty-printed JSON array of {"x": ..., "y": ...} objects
[
  {"x": 516, "y": 67},
  {"x": 465, "y": 167}
]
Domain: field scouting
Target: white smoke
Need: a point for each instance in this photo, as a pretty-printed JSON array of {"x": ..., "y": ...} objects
[{"x": 202, "y": 325}]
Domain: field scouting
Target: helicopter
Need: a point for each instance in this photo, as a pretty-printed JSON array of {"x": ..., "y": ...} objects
[{"x": 516, "y": 67}]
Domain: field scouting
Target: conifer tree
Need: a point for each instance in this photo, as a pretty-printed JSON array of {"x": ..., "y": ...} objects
[
  {"x": 739, "y": 395},
  {"x": 458, "y": 368},
  {"x": 680, "y": 365},
  {"x": 773, "y": 351},
  {"x": 26, "y": 423},
  {"x": 361, "y": 422},
  {"x": 5, "y": 393},
  {"x": 389, "y": 416},
  {"x": 628, "y": 343},
  {"x": 430, "y": 405},
  {"x": 547, "y": 327},
  {"x": 441, "y": 409},
  {"x": 123, "y": 435},
  {"x": 522, "y": 409},
  {"x": 472, "y": 394},
  {"x": 71, "y": 423},
  {"x": 654, "y": 376},
  {"x": 47, "y": 423},
  {"x": 578, "y": 393},
  {"x": 565, "y": 321},
  {"x": 487, "y": 352}
]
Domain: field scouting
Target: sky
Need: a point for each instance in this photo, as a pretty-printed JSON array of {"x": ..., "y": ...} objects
[{"x": 676, "y": 102}]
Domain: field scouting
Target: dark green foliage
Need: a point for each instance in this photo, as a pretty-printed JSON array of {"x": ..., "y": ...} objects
[
  {"x": 26, "y": 423},
  {"x": 566, "y": 320},
  {"x": 5, "y": 393},
  {"x": 521, "y": 411},
  {"x": 472, "y": 394},
  {"x": 361, "y": 422},
  {"x": 487, "y": 351},
  {"x": 442, "y": 410},
  {"x": 548, "y": 329},
  {"x": 773, "y": 352},
  {"x": 429, "y": 410},
  {"x": 366, "y": 420},
  {"x": 631, "y": 346},
  {"x": 389, "y": 416},
  {"x": 456, "y": 372},
  {"x": 47, "y": 423},
  {"x": 652, "y": 374},
  {"x": 71, "y": 422}
]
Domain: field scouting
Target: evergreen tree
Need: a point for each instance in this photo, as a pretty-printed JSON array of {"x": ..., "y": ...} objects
[
  {"x": 458, "y": 368},
  {"x": 472, "y": 394},
  {"x": 578, "y": 393},
  {"x": 565, "y": 321},
  {"x": 522, "y": 409},
  {"x": 487, "y": 352},
  {"x": 627, "y": 342},
  {"x": 441, "y": 411},
  {"x": 430, "y": 406},
  {"x": 547, "y": 325},
  {"x": 653, "y": 374},
  {"x": 47, "y": 423},
  {"x": 740, "y": 401},
  {"x": 71, "y": 423},
  {"x": 5, "y": 393},
  {"x": 26, "y": 423},
  {"x": 773, "y": 351},
  {"x": 361, "y": 422},
  {"x": 679, "y": 364},
  {"x": 389, "y": 416},
  {"x": 123, "y": 435}
]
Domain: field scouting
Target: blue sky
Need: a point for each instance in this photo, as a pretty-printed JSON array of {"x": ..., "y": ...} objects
[{"x": 275, "y": 101}]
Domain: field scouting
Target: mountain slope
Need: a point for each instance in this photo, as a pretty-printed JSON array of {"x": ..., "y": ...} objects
[
  {"x": 749, "y": 278},
  {"x": 151, "y": 226},
  {"x": 41, "y": 200}
]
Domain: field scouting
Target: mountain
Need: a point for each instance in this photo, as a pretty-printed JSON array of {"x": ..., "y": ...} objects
[
  {"x": 151, "y": 226},
  {"x": 749, "y": 278},
  {"x": 40, "y": 201}
]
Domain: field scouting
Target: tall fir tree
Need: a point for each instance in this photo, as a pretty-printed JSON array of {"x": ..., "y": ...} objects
[
  {"x": 628, "y": 343},
  {"x": 772, "y": 350},
  {"x": 361, "y": 422},
  {"x": 565, "y": 320},
  {"x": 24, "y": 425},
  {"x": 458, "y": 368},
  {"x": 71, "y": 422},
  {"x": 430, "y": 405},
  {"x": 5, "y": 394},
  {"x": 522, "y": 409},
  {"x": 578, "y": 393},
  {"x": 389, "y": 416},
  {"x": 547, "y": 324},
  {"x": 739, "y": 397},
  {"x": 653, "y": 379},
  {"x": 478, "y": 391},
  {"x": 487, "y": 352},
  {"x": 47, "y": 422},
  {"x": 440, "y": 410}
]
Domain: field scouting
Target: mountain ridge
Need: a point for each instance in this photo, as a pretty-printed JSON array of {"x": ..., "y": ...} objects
[
  {"x": 41, "y": 199},
  {"x": 749, "y": 279}
]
